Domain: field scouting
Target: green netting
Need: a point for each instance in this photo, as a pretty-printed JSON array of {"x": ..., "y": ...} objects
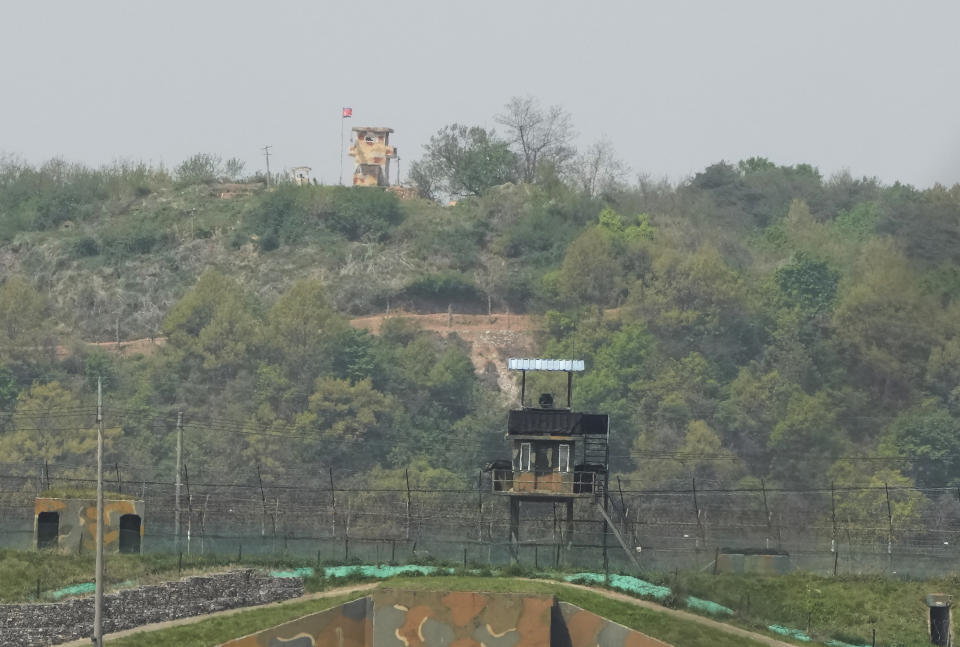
[
  {"x": 707, "y": 606},
  {"x": 75, "y": 589},
  {"x": 297, "y": 572},
  {"x": 626, "y": 583},
  {"x": 840, "y": 643},
  {"x": 796, "y": 634}
]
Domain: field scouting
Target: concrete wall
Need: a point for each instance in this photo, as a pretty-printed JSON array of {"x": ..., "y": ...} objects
[
  {"x": 348, "y": 625},
  {"x": 78, "y": 522},
  {"x": 460, "y": 619},
  {"x": 586, "y": 629},
  {"x": 32, "y": 625}
]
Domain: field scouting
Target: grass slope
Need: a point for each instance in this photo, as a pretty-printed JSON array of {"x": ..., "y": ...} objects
[
  {"x": 846, "y": 608},
  {"x": 216, "y": 630}
]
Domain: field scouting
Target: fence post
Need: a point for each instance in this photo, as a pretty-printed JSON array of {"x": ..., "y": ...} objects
[
  {"x": 834, "y": 543},
  {"x": 833, "y": 514},
  {"x": 766, "y": 512},
  {"x": 263, "y": 499},
  {"x": 696, "y": 506},
  {"x": 623, "y": 506},
  {"x": 333, "y": 503},
  {"x": 480, "y": 506},
  {"x": 406, "y": 476},
  {"x": 886, "y": 489}
]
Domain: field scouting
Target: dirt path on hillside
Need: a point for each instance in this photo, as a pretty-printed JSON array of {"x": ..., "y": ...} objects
[
  {"x": 354, "y": 588},
  {"x": 357, "y": 588},
  {"x": 492, "y": 338}
]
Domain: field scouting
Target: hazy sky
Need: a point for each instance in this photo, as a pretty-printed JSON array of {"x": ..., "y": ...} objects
[{"x": 864, "y": 85}]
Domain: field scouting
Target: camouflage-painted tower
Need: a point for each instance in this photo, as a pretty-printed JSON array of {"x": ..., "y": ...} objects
[
  {"x": 371, "y": 152},
  {"x": 559, "y": 455}
]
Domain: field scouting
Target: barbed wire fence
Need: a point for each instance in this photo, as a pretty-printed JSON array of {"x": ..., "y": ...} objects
[{"x": 305, "y": 513}]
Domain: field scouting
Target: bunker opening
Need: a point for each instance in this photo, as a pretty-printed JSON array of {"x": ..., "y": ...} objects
[
  {"x": 48, "y": 529},
  {"x": 130, "y": 533},
  {"x": 940, "y": 625}
]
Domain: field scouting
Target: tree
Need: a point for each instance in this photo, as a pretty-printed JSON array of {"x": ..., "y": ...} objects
[
  {"x": 202, "y": 168},
  {"x": 347, "y": 421},
  {"x": 930, "y": 436},
  {"x": 48, "y": 424},
  {"x": 541, "y": 137},
  {"x": 463, "y": 160},
  {"x": 214, "y": 324},
  {"x": 25, "y": 333},
  {"x": 807, "y": 284},
  {"x": 805, "y": 440},
  {"x": 302, "y": 329},
  {"x": 884, "y": 324},
  {"x": 861, "y": 502},
  {"x": 303, "y": 335},
  {"x": 700, "y": 455},
  {"x": 597, "y": 170},
  {"x": 592, "y": 271}
]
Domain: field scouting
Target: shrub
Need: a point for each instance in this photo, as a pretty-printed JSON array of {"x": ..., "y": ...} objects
[
  {"x": 84, "y": 246},
  {"x": 130, "y": 238},
  {"x": 202, "y": 168},
  {"x": 444, "y": 287},
  {"x": 281, "y": 216},
  {"x": 364, "y": 212}
]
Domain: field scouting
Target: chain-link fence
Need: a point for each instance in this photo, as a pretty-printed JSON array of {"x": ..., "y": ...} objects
[{"x": 908, "y": 531}]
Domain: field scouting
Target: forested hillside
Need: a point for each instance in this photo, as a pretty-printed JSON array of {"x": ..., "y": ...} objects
[{"x": 753, "y": 321}]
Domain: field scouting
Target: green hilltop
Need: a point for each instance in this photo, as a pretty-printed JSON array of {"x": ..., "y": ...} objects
[{"x": 755, "y": 321}]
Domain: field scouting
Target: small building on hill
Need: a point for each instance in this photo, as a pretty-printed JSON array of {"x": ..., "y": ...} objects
[
  {"x": 371, "y": 152},
  {"x": 70, "y": 525}
]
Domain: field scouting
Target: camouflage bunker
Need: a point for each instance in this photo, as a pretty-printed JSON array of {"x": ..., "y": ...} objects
[
  {"x": 70, "y": 525},
  {"x": 395, "y": 618}
]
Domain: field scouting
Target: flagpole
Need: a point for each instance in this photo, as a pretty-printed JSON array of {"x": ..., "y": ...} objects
[{"x": 341, "y": 145}]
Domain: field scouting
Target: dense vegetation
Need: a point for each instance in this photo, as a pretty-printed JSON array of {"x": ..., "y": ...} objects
[{"x": 753, "y": 321}]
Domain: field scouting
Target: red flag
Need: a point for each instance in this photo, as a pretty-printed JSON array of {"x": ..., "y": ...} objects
[{"x": 347, "y": 112}]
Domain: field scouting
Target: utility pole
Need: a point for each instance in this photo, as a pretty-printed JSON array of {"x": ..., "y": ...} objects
[
  {"x": 98, "y": 596},
  {"x": 176, "y": 494},
  {"x": 266, "y": 154},
  {"x": 340, "y": 177}
]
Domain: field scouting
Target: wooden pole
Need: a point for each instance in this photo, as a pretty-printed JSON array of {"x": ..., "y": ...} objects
[
  {"x": 176, "y": 490},
  {"x": 98, "y": 592}
]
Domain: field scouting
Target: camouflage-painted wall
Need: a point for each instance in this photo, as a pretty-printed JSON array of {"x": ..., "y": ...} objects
[
  {"x": 460, "y": 619},
  {"x": 753, "y": 564},
  {"x": 586, "y": 629},
  {"x": 78, "y": 522},
  {"x": 348, "y": 625}
]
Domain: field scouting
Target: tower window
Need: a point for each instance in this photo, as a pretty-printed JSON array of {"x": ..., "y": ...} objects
[
  {"x": 369, "y": 139},
  {"x": 525, "y": 457},
  {"x": 563, "y": 457}
]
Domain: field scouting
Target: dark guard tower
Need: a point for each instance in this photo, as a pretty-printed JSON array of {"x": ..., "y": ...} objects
[{"x": 558, "y": 454}]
